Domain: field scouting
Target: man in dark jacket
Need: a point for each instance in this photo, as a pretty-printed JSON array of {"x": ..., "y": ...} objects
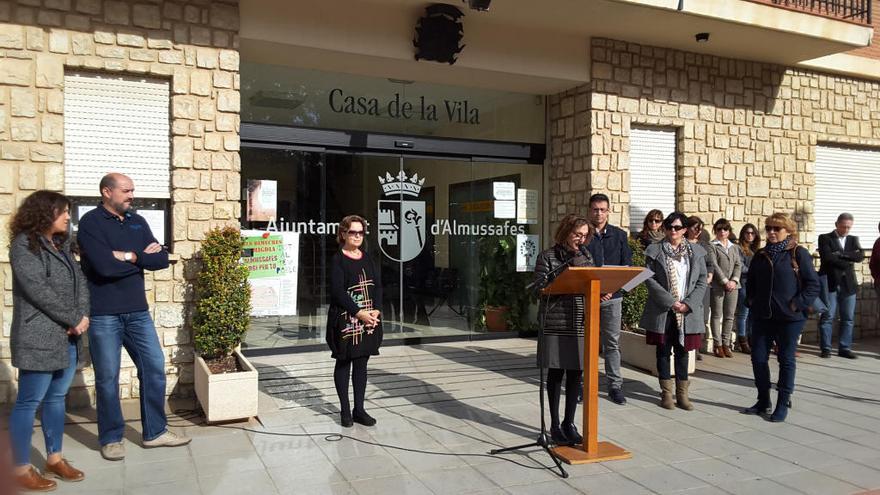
[
  {"x": 839, "y": 252},
  {"x": 610, "y": 246},
  {"x": 117, "y": 246}
]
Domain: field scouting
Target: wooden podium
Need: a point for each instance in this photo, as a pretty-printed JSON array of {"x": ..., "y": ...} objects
[{"x": 591, "y": 282}]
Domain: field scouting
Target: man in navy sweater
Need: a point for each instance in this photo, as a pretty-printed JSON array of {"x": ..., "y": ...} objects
[
  {"x": 117, "y": 246},
  {"x": 609, "y": 246}
]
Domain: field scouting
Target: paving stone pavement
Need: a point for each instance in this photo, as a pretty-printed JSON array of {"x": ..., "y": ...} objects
[{"x": 441, "y": 407}]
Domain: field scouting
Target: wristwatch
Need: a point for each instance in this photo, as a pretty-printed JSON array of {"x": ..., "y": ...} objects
[{"x": 128, "y": 256}]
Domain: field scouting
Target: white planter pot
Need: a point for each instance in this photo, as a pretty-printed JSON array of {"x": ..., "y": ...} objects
[
  {"x": 227, "y": 396},
  {"x": 638, "y": 354}
]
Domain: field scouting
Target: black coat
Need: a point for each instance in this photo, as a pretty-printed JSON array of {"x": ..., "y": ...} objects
[
  {"x": 775, "y": 292},
  {"x": 838, "y": 264},
  {"x": 563, "y": 344}
]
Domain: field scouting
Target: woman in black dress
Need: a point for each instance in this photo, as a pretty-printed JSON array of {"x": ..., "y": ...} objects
[
  {"x": 354, "y": 332},
  {"x": 563, "y": 320}
]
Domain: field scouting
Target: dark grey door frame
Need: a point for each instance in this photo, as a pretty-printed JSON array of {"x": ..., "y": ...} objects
[{"x": 329, "y": 139}]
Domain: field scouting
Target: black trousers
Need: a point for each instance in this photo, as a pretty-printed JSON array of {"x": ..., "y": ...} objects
[
  {"x": 670, "y": 344},
  {"x": 554, "y": 390},
  {"x": 354, "y": 370}
]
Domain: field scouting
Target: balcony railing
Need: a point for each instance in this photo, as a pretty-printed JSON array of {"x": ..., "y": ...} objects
[{"x": 857, "y": 11}]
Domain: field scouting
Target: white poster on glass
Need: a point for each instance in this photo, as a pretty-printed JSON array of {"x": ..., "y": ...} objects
[
  {"x": 526, "y": 252},
  {"x": 272, "y": 259}
]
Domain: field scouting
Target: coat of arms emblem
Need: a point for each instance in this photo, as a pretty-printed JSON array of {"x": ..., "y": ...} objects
[{"x": 402, "y": 224}]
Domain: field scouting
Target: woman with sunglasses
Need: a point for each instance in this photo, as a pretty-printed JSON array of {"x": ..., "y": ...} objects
[
  {"x": 652, "y": 229},
  {"x": 782, "y": 286},
  {"x": 673, "y": 316},
  {"x": 354, "y": 331},
  {"x": 562, "y": 348},
  {"x": 749, "y": 243},
  {"x": 725, "y": 282},
  {"x": 696, "y": 234}
]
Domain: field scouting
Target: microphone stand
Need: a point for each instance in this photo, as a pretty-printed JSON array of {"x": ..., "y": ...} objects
[{"x": 543, "y": 440}]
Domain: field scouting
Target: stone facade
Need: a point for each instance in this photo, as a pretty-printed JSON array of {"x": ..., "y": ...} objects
[
  {"x": 194, "y": 45},
  {"x": 746, "y": 131}
]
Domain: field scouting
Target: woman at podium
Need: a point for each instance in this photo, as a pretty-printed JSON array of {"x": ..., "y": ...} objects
[
  {"x": 562, "y": 348},
  {"x": 673, "y": 316}
]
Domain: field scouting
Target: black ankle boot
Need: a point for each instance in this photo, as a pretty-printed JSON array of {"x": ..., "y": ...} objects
[
  {"x": 345, "y": 419},
  {"x": 783, "y": 404},
  {"x": 762, "y": 407},
  {"x": 363, "y": 418},
  {"x": 558, "y": 437},
  {"x": 572, "y": 434}
]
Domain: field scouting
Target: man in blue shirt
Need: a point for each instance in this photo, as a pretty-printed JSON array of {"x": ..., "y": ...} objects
[
  {"x": 117, "y": 246},
  {"x": 610, "y": 246}
]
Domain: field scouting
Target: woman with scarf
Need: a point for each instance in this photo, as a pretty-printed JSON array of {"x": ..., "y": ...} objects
[
  {"x": 673, "y": 316},
  {"x": 652, "y": 229},
  {"x": 781, "y": 287}
]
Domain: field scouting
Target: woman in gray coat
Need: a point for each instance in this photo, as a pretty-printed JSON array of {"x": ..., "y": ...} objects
[
  {"x": 725, "y": 282},
  {"x": 50, "y": 307},
  {"x": 673, "y": 316}
]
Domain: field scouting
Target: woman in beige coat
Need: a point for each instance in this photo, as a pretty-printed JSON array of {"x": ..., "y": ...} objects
[{"x": 724, "y": 287}]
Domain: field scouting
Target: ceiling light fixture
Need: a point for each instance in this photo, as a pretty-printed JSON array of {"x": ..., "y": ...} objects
[{"x": 702, "y": 37}]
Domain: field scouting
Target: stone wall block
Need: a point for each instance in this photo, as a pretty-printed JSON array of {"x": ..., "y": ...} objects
[
  {"x": 224, "y": 16},
  {"x": 117, "y": 13},
  {"x": 23, "y": 102},
  {"x": 147, "y": 16},
  {"x": 47, "y": 153},
  {"x": 12, "y": 36},
  {"x": 16, "y": 72}
]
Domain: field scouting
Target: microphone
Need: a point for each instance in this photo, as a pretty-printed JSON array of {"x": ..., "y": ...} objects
[{"x": 547, "y": 278}]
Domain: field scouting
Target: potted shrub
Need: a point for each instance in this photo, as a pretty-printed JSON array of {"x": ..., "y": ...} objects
[
  {"x": 634, "y": 351},
  {"x": 226, "y": 383},
  {"x": 503, "y": 297}
]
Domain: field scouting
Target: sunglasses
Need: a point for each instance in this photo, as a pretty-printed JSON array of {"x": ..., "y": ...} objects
[
  {"x": 749, "y": 232},
  {"x": 725, "y": 229},
  {"x": 677, "y": 227},
  {"x": 356, "y": 233},
  {"x": 655, "y": 220},
  {"x": 773, "y": 228}
]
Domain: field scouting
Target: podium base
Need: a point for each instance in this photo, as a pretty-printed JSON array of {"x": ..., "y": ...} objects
[{"x": 576, "y": 455}]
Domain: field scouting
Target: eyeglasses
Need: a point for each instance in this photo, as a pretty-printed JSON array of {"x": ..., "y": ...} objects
[
  {"x": 677, "y": 227},
  {"x": 749, "y": 232},
  {"x": 773, "y": 228},
  {"x": 725, "y": 229},
  {"x": 579, "y": 235},
  {"x": 655, "y": 220},
  {"x": 356, "y": 233}
]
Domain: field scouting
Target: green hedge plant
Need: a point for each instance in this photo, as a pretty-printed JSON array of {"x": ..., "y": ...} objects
[
  {"x": 634, "y": 301},
  {"x": 224, "y": 297}
]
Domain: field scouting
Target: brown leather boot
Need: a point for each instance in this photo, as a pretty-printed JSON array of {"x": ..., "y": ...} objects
[
  {"x": 744, "y": 347},
  {"x": 718, "y": 351},
  {"x": 727, "y": 352},
  {"x": 33, "y": 481},
  {"x": 681, "y": 395},
  {"x": 666, "y": 401},
  {"x": 63, "y": 470}
]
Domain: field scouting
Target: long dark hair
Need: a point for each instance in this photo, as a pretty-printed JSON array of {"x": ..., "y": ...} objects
[
  {"x": 749, "y": 248},
  {"x": 36, "y": 215},
  {"x": 652, "y": 215}
]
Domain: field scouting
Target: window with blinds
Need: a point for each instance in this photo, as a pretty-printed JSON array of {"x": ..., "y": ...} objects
[
  {"x": 847, "y": 180},
  {"x": 120, "y": 124},
  {"x": 652, "y": 173}
]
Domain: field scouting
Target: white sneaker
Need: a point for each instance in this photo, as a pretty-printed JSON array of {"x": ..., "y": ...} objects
[
  {"x": 167, "y": 439},
  {"x": 114, "y": 451}
]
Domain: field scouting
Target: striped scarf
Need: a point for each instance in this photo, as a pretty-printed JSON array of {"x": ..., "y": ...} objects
[{"x": 676, "y": 254}]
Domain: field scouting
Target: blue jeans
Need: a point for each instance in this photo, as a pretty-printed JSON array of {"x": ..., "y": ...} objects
[
  {"x": 847, "y": 307},
  {"x": 785, "y": 334},
  {"x": 743, "y": 323},
  {"x": 136, "y": 332},
  {"x": 48, "y": 388}
]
